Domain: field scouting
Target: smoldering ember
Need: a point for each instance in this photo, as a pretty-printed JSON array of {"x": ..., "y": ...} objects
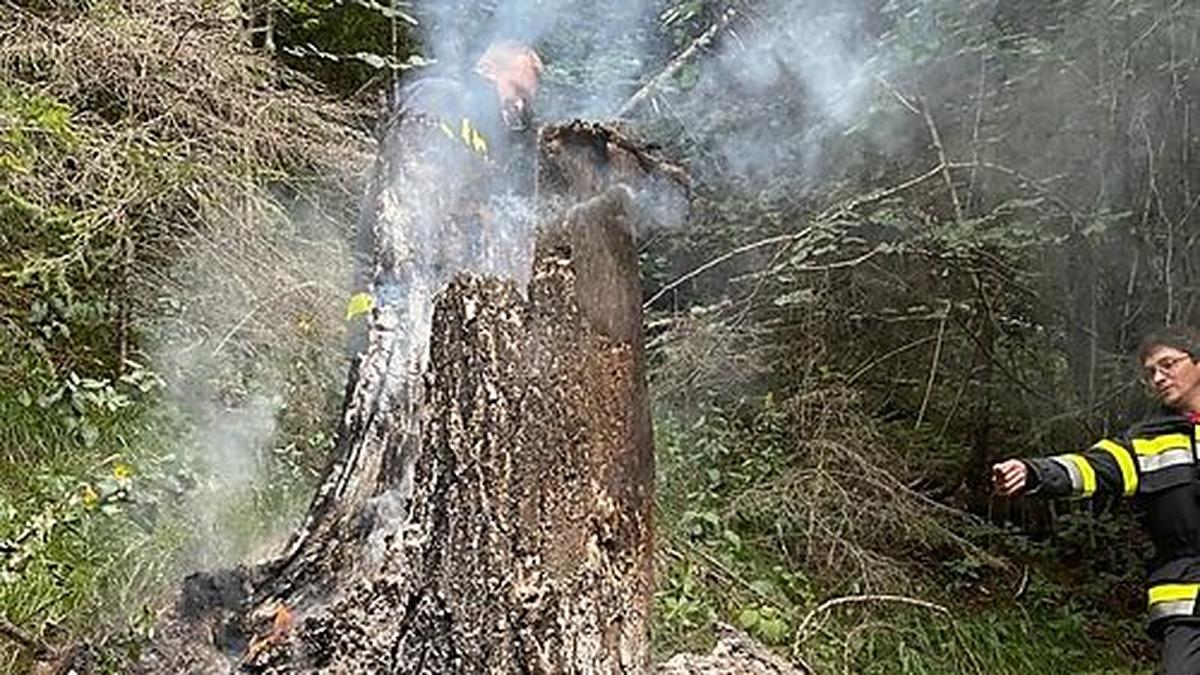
[{"x": 548, "y": 336}]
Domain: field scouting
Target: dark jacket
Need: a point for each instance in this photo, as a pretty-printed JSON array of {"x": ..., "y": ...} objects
[{"x": 1155, "y": 465}]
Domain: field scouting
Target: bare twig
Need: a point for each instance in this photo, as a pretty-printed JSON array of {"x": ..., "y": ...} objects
[
  {"x": 1024, "y": 583},
  {"x": 979, "y": 97},
  {"x": 1035, "y": 183},
  {"x": 865, "y": 368},
  {"x": 878, "y": 195},
  {"x": 780, "y": 239},
  {"x": 828, "y": 215},
  {"x": 254, "y": 310},
  {"x": 899, "y": 96},
  {"x": 937, "y": 354},
  {"x": 862, "y": 599},
  {"x": 941, "y": 153}
]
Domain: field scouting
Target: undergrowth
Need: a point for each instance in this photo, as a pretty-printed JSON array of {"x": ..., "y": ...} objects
[
  {"x": 174, "y": 217},
  {"x": 811, "y": 544}
]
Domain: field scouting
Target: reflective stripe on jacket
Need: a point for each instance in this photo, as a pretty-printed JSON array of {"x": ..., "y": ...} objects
[{"x": 1154, "y": 464}]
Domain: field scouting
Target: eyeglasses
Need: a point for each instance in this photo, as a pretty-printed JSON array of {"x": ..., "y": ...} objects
[{"x": 1165, "y": 364}]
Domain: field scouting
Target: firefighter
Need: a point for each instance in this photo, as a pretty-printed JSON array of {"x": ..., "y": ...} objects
[
  {"x": 495, "y": 97},
  {"x": 1155, "y": 464},
  {"x": 473, "y": 122}
]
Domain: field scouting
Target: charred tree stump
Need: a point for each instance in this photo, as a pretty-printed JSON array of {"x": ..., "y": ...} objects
[
  {"x": 535, "y": 486},
  {"x": 489, "y": 506},
  {"x": 488, "y": 509}
]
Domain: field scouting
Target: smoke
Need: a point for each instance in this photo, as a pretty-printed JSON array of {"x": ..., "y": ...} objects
[
  {"x": 785, "y": 81},
  {"x": 768, "y": 100},
  {"x": 596, "y": 53},
  {"x": 231, "y": 446},
  {"x": 809, "y": 65},
  {"x": 249, "y": 337}
]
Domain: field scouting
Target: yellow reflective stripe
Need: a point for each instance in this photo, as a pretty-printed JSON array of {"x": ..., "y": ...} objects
[
  {"x": 1085, "y": 472},
  {"x": 465, "y": 131},
  {"x": 1173, "y": 593},
  {"x": 1159, "y": 444},
  {"x": 446, "y": 129},
  {"x": 478, "y": 143},
  {"x": 1129, "y": 477}
]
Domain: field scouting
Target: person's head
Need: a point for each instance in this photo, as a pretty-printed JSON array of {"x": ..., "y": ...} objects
[
  {"x": 514, "y": 69},
  {"x": 1167, "y": 359}
]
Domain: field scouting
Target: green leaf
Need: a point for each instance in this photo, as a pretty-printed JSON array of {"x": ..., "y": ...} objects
[
  {"x": 748, "y": 618},
  {"x": 773, "y": 631},
  {"x": 89, "y": 433},
  {"x": 732, "y": 537},
  {"x": 763, "y": 587}
]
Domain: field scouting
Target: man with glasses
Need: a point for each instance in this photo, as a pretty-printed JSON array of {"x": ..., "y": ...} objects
[{"x": 1154, "y": 463}]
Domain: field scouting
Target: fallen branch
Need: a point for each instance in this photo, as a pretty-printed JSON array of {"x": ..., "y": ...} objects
[
  {"x": 859, "y": 599},
  {"x": 39, "y": 647},
  {"x": 916, "y": 602}
]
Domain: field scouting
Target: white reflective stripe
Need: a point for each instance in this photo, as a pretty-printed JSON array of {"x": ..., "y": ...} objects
[
  {"x": 1077, "y": 484},
  {"x": 1163, "y": 610},
  {"x": 1164, "y": 460}
]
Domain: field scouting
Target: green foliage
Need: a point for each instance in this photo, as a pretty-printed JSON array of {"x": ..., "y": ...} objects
[{"x": 84, "y": 537}]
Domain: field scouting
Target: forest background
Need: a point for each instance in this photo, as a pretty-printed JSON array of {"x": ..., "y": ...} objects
[{"x": 925, "y": 236}]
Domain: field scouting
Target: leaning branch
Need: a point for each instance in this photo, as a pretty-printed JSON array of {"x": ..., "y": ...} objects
[
  {"x": 676, "y": 63},
  {"x": 831, "y": 214}
]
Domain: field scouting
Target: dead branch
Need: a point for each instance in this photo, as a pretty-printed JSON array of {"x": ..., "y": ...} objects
[
  {"x": 860, "y": 599},
  {"x": 39, "y": 647},
  {"x": 675, "y": 64},
  {"x": 937, "y": 353},
  {"x": 941, "y": 152},
  {"x": 780, "y": 239},
  {"x": 879, "y": 195}
]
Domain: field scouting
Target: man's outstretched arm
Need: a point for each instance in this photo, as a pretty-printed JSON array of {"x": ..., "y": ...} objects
[{"x": 1107, "y": 468}]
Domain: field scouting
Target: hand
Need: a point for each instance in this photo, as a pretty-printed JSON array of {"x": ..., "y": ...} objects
[{"x": 1009, "y": 477}]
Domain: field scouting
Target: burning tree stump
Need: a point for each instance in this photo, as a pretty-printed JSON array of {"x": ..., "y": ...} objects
[
  {"x": 489, "y": 504},
  {"x": 535, "y": 485},
  {"x": 493, "y": 514}
]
